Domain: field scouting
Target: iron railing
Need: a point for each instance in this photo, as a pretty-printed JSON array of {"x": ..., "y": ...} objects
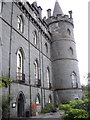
[
  {"x": 38, "y": 82},
  {"x": 20, "y": 77}
]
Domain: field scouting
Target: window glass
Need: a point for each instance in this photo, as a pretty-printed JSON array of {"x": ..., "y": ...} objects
[
  {"x": 74, "y": 80},
  {"x": 36, "y": 71},
  {"x": 20, "y": 24},
  {"x": 19, "y": 65},
  {"x": 46, "y": 47},
  {"x": 35, "y": 38},
  {"x": 71, "y": 50},
  {"x": 37, "y": 101},
  {"x": 48, "y": 76},
  {"x": 0, "y": 6}
]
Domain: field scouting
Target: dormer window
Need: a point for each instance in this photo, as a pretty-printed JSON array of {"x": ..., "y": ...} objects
[{"x": 20, "y": 24}]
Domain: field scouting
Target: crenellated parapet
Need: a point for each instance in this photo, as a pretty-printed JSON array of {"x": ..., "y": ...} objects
[{"x": 60, "y": 17}]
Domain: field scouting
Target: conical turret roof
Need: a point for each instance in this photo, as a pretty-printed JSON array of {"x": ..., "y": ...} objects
[{"x": 57, "y": 9}]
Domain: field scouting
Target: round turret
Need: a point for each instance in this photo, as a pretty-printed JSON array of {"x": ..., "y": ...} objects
[{"x": 66, "y": 78}]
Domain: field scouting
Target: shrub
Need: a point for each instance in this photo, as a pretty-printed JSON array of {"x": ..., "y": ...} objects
[
  {"x": 75, "y": 113},
  {"x": 75, "y": 109},
  {"x": 5, "y": 107},
  {"x": 65, "y": 107},
  {"x": 48, "y": 108},
  {"x": 72, "y": 103}
]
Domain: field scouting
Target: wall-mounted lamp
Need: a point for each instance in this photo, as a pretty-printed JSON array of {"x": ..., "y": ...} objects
[{"x": 13, "y": 104}]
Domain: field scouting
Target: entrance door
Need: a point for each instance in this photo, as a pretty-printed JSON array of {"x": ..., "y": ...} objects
[{"x": 20, "y": 106}]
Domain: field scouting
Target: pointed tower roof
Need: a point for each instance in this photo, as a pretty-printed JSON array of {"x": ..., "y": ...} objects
[{"x": 57, "y": 9}]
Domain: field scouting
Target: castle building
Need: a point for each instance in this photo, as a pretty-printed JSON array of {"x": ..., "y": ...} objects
[{"x": 39, "y": 56}]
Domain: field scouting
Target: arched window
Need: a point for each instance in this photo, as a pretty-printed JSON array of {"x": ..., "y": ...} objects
[
  {"x": 20, "y": 24},
  {"x": 36, "y": 71},
  {"x": 20, "y": 62},
  {"x": 37, "y": 99},
  {"x": 48, "y": 77},
  {"x": 35, "y": 38},
  {"x": 69, "y": 32},
  {"x": 71, "y": 50},
  {"x": 50, "y": 99},
  {"x": 74, "y": 80},
  {"x": 46, "y": 46}
]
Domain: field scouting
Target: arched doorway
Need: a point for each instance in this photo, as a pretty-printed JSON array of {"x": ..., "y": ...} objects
[{"x": 20, "y": 105}]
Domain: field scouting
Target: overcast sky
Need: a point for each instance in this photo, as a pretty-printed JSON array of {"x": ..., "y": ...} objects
[{"x": 80, "y": 17}]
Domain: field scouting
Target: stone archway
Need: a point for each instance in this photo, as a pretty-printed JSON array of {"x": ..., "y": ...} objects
[{"x": 20, "y": 105}]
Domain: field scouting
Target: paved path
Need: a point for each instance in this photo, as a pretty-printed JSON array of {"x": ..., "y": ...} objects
[
  {"x": 47, "y": 116},
  {"x": 50, "y": 115}
]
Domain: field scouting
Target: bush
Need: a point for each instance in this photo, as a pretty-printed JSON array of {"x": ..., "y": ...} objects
[
  {"x": 5, "y": 107},
  {"x": 72, "y": 103},
  {"x": 75, "y": 113},
  {"x": 75, "y": 109},
  {"x": 65, "y": 107},
  {"x": 48, "y": 108}
]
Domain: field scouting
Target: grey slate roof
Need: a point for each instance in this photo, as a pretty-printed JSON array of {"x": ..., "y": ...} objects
[{"x": 57, "y": 9}]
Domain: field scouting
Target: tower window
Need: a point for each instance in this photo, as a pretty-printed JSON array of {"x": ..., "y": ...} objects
[
  {"x": 71, "y": 50},
  {"x": 74, "y": 80},
  {"x": 46, "y": 46},
  {"x": 35, "y": 38},
  {"x": 48, "y": 77},
  {"x": 20, "y": 24},
  {"x": 69, "y": 32},
  {"x": 36, "y": 71}
]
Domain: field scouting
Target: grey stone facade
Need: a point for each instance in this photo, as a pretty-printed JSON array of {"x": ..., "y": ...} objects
[{"x": 53, "y": 51}]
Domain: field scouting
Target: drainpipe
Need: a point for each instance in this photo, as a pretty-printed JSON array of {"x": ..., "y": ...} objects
[
  {"x": 30, "y": 114},
  {"x": 10, "y": 58}
]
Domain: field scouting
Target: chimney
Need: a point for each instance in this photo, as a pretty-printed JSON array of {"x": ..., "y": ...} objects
[
  {"x": 49, "y": 13},
  {"x": 40, "y": 11},
  {"x": 70, "y": 12}
]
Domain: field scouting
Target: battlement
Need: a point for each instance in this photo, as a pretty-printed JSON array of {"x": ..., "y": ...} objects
[{"x": 59, "y": 17}]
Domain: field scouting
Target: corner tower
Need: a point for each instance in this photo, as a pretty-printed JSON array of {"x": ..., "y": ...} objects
[{"x": 66, "y": 80}]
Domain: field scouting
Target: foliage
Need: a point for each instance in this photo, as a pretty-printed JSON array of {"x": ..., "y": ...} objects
[
  {"x": 5, "y": 81},
  {"x": 75, "y": 113},
  {"x": 76, "y": 108},
  {"x": 48, "y": 108},
  {"x": 65, "y": 107},
  {"x": 5, "y": 106}
]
